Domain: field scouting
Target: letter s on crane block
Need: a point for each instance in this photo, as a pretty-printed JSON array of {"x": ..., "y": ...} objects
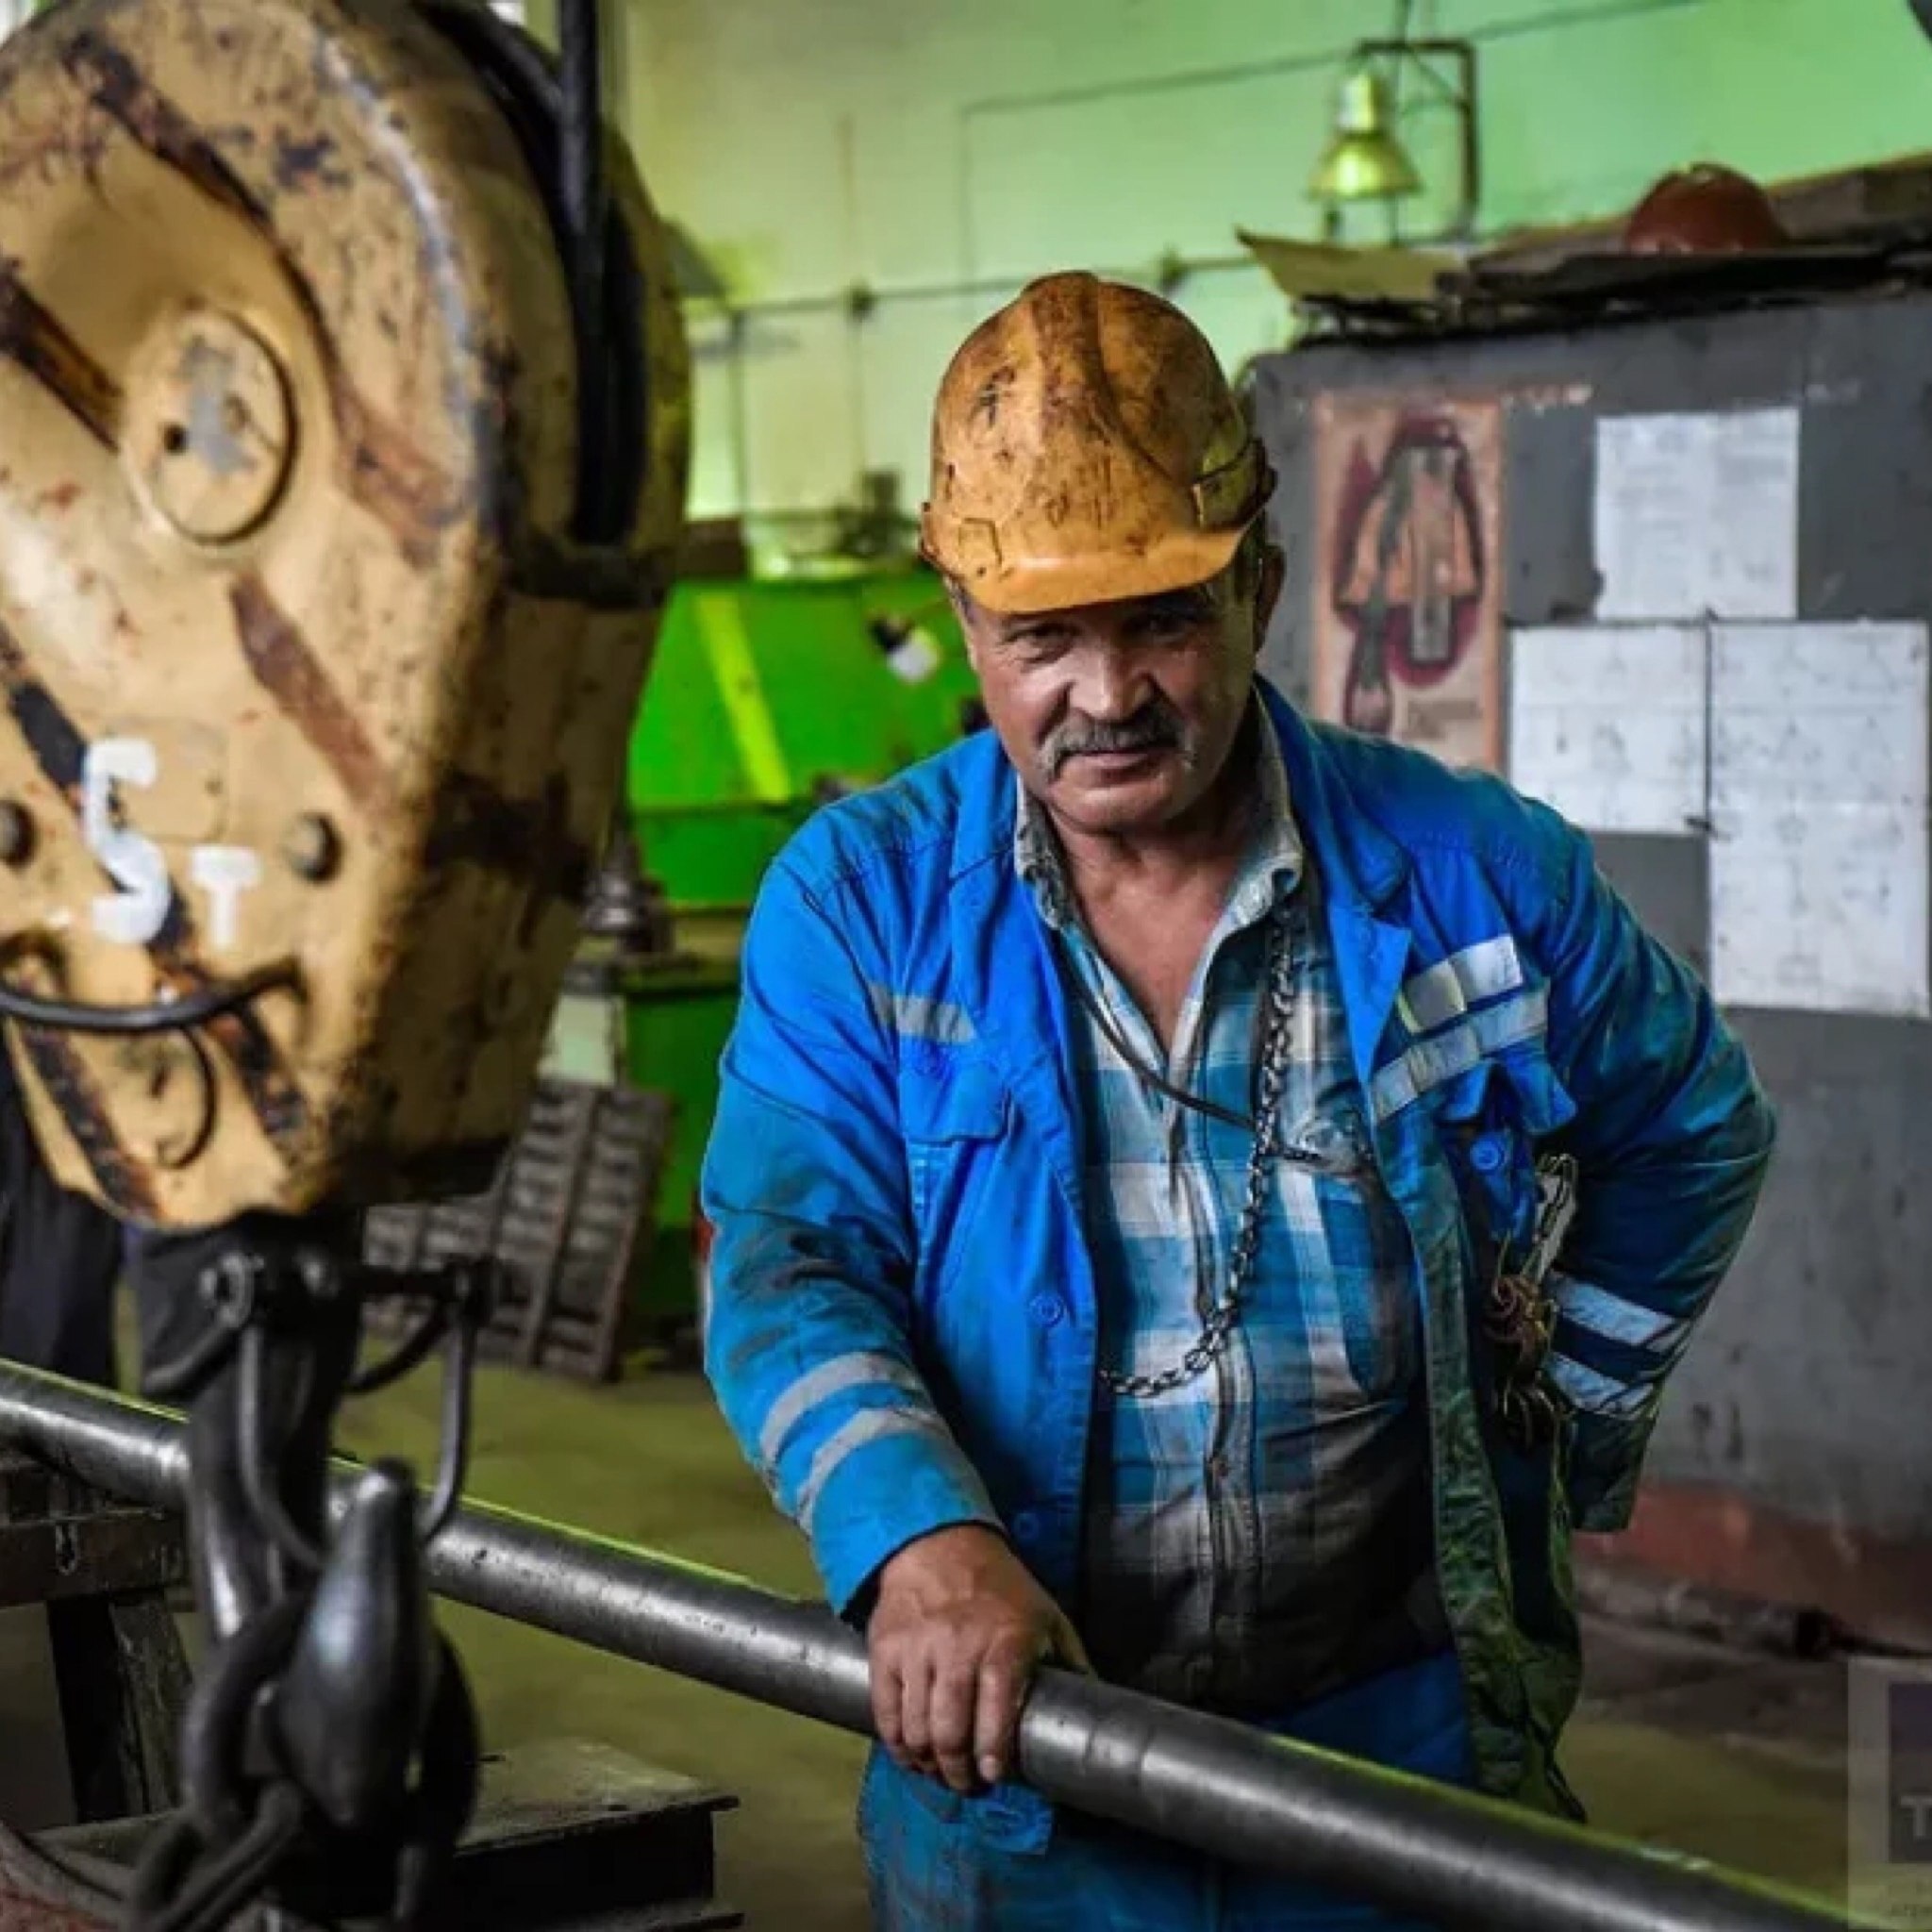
[{"x": 135, "y": 914}]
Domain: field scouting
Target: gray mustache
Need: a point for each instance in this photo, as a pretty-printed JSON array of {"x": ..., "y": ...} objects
[{"x": 1148, "y": 732}]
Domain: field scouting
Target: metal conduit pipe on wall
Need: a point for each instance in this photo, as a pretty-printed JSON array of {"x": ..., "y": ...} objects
[
  {"x": 1410, "y": 1846},
  {"x": 859, "y": 299},
  {"x": 1577, "y": 13}
]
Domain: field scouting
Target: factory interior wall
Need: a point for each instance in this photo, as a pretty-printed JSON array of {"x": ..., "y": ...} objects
[{"x": 914, "y": 144}]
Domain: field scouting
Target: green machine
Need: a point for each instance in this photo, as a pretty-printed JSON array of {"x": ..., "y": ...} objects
[{"x": 766, "y": 699}]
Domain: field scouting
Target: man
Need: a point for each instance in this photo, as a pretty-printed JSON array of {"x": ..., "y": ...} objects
[
  {"x": 1139, "y": 1162},
  {"x": 60, "y": 1257}
]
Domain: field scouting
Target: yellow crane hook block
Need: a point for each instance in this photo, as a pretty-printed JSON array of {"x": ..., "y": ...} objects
[{"x": 313, "y": 693}]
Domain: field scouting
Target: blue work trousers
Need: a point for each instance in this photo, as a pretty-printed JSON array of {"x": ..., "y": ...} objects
[{"x": 930, "y": 1872}]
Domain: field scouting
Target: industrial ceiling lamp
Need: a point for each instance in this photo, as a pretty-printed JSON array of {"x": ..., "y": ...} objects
[{"x": 1365, "y": 160}]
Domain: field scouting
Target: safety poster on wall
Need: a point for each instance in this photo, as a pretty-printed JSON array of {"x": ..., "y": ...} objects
[{"x": 1406, "y": 629}]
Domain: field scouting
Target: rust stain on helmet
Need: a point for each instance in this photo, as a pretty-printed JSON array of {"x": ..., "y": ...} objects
[{"x": 1086, "y": 447}]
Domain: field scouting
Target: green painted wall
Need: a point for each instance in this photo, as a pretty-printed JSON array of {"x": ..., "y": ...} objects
[{"x": 812, "y": 143}]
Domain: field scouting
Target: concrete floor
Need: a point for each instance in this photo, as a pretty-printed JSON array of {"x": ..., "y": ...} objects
[
  {"x": 1730, "y": 1758},
  {"x": 1679, "y": 1744}
]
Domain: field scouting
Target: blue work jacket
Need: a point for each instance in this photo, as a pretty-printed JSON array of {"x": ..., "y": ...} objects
[{"x": 903, "y": 1321}]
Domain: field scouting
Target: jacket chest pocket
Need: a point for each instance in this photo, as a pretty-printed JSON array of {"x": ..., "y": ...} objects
[
  {"x": 1330, "y": 1179},
  {"x": 954, "y": 1119}
]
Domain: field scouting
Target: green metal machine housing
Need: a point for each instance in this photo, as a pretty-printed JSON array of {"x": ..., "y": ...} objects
[{"x": 766, "y": 699}]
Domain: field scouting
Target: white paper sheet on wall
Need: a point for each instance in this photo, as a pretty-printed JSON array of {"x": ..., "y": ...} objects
[
  {"x": 1609, "y": 724},
  {"x": 1697, "y": 515},
  {"x": 1819, "y": 810}
]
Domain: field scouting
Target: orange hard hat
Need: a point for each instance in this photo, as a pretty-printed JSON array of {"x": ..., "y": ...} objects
[
  {"x": 1087, "y": 447},
  {"x": 1704, "y": 211}
]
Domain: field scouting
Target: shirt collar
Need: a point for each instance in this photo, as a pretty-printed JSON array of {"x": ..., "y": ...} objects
[{"x": 1273, "y": 860}]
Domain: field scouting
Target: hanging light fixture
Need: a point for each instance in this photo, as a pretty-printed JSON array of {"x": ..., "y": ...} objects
[{"x": 1365, "y": 160}]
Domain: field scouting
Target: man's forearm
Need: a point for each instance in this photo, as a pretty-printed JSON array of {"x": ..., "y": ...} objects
[{"x": 818, "y": 1382}]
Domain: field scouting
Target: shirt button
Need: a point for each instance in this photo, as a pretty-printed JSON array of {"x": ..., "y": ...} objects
[
  {"x": 1048, "y": 1309},
  {"x": 1216, "y": 1468},
  {"x": 1488, "y": 1154},
  {"x": 1027, "y": 1525}
]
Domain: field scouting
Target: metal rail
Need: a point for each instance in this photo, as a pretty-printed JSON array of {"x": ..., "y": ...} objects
[{"x": 1413, "y": 1847}]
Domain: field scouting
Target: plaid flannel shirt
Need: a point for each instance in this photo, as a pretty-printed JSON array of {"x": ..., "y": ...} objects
[{"x": 1261, "y": 1534}]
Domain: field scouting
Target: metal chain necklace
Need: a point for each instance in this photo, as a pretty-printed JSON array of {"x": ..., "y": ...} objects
[{"x": 1222, "y": 1319}]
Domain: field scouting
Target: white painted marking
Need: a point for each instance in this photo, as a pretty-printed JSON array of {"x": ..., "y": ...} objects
[
  {"x": 136, "y": 914},
  {"x": 225, "y": 873}
]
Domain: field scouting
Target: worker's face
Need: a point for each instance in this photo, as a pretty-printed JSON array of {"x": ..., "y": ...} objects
[{"x": 1119, "y": 717}]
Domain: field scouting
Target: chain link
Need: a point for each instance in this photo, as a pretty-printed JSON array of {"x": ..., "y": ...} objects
[{"x": 1224, "y": 1317}]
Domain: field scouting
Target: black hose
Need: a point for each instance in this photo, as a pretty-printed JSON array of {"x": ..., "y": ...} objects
[{"x": 163, "y": 1016}]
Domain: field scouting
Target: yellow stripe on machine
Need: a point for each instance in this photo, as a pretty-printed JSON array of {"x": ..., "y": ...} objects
[{"x": 721, "y": 624}]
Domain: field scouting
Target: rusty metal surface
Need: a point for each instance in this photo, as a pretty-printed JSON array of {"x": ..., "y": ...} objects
[
  {"x": 108, "y": 1550},
  {"x": 60, "y": 1538},
  {"x": 1500, "y": 297},
  {"x": 285, "y": 468},
  {"x": 102, "y": 1570},
  {"x": 565, "y": 1216}
]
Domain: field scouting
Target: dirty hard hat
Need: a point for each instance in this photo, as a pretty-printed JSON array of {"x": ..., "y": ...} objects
[
  {"x": 1704, "y": 211},
  {"x": 1086, "y": 447}
]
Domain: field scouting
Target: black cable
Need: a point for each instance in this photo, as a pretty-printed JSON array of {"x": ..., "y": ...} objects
[
  {"x": 181, "y": 1374},
  {"x": 1139, "y": 1067},
  {"x": 408, "y": 1355},
  {"x": 458, "y": 1373},
  {"x": 163, "y": 1016}
]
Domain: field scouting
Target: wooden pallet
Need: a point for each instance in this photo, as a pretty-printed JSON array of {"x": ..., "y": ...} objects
[{"x": 568, "y": 1215}]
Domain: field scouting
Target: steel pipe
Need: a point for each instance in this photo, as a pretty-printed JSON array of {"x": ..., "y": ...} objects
[{"x": 1404, "y": 1843}]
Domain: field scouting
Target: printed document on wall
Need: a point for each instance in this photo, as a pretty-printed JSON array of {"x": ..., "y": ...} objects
[
  {"x": 1819, "y": 814},
  {"x": 1608, "y": 725},
  {"x": 1697, "y": 515}
]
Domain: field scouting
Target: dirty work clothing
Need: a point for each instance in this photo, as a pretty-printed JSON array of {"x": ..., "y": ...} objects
[
  {"x": 927, "y": 1874},
  {"x": 1259, "y": 1534},
  {"x": 905, "y": 1324},
  {"x": 59, "y": 1259}
]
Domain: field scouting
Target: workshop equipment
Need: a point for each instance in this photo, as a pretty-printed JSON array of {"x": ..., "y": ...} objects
[
  {"x": 344, "y": 398},
  {"x": 569, "y": 1217},
  {"x": 1463, "y": 1862},
  {"x": 766, "y": 697},
  {"x": 565, "y": 1221},
  {"x": 358, "y": 869}
]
